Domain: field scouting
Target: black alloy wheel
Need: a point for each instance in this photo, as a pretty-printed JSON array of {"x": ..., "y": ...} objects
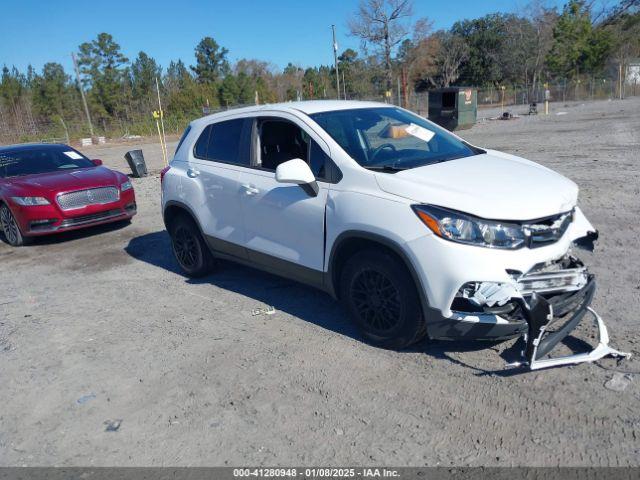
[
  {"x": 381, "y": 297},
  {"x": 189, "y": 248},
  {"x": 377, "y": 300}
]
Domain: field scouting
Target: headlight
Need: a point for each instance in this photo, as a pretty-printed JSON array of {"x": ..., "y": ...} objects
[
  {"x": 126, "y": 186},
  {"x": 462, "y": 228},
  {"x": 30, "y": 201}
]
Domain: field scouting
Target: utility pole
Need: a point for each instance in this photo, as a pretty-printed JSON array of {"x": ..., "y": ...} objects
[
  {"x": 335, "y": 59},
  {"x": 84, "y": 99},
  {"x": 344, "y": 86},
  {"x": 405, "y": 88}
]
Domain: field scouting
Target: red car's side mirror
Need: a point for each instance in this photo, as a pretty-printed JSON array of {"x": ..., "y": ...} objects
[{"x": 97, "y": 162}]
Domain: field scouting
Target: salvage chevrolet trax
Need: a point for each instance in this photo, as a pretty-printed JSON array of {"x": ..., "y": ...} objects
[{"x": 416, "y": 231}]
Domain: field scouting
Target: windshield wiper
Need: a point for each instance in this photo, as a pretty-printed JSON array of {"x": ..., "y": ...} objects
[{"x": 383, "y": 168}]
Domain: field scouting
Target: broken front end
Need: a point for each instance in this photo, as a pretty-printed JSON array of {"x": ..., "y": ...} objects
[{"x": 543, "y": 304}]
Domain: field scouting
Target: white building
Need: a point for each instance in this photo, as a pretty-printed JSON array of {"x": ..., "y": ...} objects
[{"x": 633, "y": 72}]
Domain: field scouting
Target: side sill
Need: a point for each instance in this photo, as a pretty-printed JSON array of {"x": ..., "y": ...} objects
[{"x": 267, "y": 263}]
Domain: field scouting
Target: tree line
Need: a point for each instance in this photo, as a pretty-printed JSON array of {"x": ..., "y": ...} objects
[{"x": 397, "y": 53}]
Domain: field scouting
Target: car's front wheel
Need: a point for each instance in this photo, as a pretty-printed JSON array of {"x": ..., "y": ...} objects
[
  {"x": 381, "y": 297},
  {"x": 189, "y": 247},
  {"x": 10, "y": 228}
]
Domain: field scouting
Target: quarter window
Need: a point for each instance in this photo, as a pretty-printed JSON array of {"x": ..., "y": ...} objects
[
  {"x": 200, "y": 149},
  {"x": 182, "y": 138}
]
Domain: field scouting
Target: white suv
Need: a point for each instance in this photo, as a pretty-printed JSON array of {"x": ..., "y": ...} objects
[{"x": 415, "y": 230}]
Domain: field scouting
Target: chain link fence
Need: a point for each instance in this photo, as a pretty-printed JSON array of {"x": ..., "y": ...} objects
[
  {"x": 18, "y": 125},
  {"x": 581, "y": 90},
  {"x": 23, "y": 129}
]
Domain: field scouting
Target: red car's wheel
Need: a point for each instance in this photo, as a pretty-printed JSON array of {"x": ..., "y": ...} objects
[{"x": 10, "y": 229}]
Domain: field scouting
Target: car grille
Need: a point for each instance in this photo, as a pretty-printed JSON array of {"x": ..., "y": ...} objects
[
  {"x": 97, "y": 217},
  {"x": 565, "y": 275},
  {"x": 548, "y": 230},
  {"x": 92, "y": 196}
]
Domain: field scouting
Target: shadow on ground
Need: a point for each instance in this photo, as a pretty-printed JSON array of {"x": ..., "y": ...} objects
[
  {"x": 86, "y": 232},
  {"x": 309, "y": 304}
]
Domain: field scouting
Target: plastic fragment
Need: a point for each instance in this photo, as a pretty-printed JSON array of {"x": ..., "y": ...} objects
[
  {"x": 113, "y": 425},
  {"x": 619, "y": 382},
  {"x": 85, "y": 398},
  {"x": 263, "y": 311}
]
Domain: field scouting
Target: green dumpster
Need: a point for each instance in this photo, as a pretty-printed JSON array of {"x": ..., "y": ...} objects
[{"x": 454, "y": 108}]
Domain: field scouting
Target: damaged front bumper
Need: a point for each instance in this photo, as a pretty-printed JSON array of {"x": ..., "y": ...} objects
[
  {"x": 540, "y": 339},
  {"x": 543, "y": 306}
]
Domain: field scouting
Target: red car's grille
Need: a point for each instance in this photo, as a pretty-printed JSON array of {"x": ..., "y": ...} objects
[
  {"x": 92, "y": 196},
  {"x": 97, "y": 217}
]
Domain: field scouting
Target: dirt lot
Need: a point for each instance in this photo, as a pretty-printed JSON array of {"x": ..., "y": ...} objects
[{"x": 100, "y": 326}]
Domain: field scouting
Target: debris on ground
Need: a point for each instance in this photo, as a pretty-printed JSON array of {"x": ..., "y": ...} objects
[
  {"x": 505, "y": 116},
  {"x": 619, "y": 382},
  {"x": 85, "y": 398},
  {"x": 112, "y": 425},
  {"x": 263, "y": 311}
]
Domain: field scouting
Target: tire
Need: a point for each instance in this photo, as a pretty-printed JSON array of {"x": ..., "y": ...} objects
[
  {"x": 189, "y": 248},
  {"x": 10, "y": 229},
  {"x": 381, "y": 298}
]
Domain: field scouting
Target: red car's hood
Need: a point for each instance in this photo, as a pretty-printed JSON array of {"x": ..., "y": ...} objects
[{"x": 75, "y": 179}]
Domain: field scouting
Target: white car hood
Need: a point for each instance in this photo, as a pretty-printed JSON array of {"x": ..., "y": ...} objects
[{"x": 494, "y": 185}]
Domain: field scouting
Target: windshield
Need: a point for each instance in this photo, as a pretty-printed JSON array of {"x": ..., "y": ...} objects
[
  {"x": 30, "y": 161},
  {"x": 388, "y": 138}
]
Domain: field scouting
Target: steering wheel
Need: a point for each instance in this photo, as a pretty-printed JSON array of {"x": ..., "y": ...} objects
[{"x": 377, "y": 150}]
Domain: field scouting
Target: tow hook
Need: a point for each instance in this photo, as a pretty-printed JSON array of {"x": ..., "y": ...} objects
[{"x": 540, "y": 341}]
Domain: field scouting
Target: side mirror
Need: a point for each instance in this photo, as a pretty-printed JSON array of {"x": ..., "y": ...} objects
[
  {"x": 294, "y": 171},
  {"x": 297, "y": 171},
  {"x": 97, "y": 162}
]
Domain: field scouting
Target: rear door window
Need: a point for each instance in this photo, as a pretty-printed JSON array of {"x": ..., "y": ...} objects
[{"x": 221, "y": 142}]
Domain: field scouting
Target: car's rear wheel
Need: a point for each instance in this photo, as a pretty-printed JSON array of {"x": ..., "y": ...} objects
[
  {"x": 10, "y": 229},
  {"x": 189, "y": 248},
  {"x": 382, "y": 299}
]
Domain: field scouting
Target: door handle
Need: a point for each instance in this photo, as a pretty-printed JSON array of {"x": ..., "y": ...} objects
[
  {"x": 250, "y": 189},
  {"x": 193, "y": 172}
]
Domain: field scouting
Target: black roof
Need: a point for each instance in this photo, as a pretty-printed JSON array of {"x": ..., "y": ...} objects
[{"x": 30, "y": 146}]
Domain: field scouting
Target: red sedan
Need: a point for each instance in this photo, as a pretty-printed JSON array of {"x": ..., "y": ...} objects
[{"x": 54, "y": 188}]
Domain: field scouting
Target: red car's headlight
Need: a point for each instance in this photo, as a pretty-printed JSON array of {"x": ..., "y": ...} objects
[{"x": 30, "y": 201}]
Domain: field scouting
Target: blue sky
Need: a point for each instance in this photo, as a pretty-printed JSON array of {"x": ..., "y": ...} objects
[{"x": 278, "y": 31}]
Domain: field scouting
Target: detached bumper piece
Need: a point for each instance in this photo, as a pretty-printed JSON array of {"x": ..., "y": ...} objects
[{"x": 552, "y": 320}]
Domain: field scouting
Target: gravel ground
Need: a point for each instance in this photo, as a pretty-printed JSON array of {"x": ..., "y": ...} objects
[{"x": 100, "y": 327}]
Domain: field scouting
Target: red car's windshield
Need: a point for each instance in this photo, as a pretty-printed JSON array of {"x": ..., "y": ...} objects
[{"x": 30, "y": 161}]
